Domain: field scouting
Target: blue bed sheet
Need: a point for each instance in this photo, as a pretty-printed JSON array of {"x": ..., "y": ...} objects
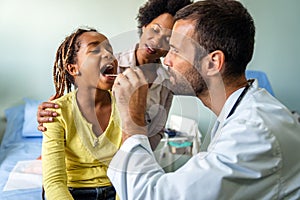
[{"x": 16, "y": 148}]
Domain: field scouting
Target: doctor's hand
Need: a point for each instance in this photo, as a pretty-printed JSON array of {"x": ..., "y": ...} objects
[{"x": 130, "y": 90}]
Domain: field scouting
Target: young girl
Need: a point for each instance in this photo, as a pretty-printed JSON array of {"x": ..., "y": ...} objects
[
  {"x": 80, "y": 143},
  {"x": 155, "y": 21}
]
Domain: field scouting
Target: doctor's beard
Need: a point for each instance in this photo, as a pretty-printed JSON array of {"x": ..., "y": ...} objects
[{"x": 191, "y": 83}]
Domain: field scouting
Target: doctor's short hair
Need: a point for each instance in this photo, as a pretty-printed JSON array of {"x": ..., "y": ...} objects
[
  {"x": 154, "y": 8},
  {"x": 224, "y": 25}
]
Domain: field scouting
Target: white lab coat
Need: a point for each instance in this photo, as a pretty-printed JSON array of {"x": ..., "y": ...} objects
[{"x": 254, "y": 154}]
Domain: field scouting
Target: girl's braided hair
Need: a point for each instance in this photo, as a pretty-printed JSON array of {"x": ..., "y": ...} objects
[{"x": 66, "y": 54}]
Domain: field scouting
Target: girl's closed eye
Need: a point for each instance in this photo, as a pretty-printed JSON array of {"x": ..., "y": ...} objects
[{"x": 95, "y": 50}]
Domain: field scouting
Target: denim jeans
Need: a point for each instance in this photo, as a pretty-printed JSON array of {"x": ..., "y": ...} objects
[{"x": 99, "y": 193}]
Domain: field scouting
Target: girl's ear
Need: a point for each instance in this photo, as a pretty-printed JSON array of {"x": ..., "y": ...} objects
[
  {"x": 216, "y": 62},
  {"x": 73, "y": 69}
]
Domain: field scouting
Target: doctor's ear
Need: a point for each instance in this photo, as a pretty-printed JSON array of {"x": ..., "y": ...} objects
[{"x": 216, "y": 62}]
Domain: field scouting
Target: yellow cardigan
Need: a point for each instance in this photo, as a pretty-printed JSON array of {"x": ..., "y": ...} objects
[{"x": 72, "y": 155}]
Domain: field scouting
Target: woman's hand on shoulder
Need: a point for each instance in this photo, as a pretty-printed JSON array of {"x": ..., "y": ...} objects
[{"x": 44, "y": 115}]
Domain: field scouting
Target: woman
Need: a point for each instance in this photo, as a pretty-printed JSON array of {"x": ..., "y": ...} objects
[
  {"x": 80, "y": 143},
  {"x": 155, "y": 22}
]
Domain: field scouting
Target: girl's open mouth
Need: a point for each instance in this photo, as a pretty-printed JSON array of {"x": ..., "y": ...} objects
[{"x": 108, "y": 72}]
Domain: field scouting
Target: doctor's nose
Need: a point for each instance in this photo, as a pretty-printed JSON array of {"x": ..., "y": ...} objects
[{"x": 168, "y": 60}]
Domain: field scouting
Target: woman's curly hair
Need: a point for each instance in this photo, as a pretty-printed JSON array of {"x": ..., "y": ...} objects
[{"x": 154, "y": 8}]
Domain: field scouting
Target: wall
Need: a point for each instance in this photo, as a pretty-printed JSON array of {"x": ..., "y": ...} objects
[
  {"x": 278, "y": 46},
  {"x": 32, "y": 30}
]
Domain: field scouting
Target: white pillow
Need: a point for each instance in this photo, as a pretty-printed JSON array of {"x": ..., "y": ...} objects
[{"x": 30, "y": 122}]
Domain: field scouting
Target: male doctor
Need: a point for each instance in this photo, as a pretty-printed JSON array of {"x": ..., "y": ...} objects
[{"x": 252, "y": 151}]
